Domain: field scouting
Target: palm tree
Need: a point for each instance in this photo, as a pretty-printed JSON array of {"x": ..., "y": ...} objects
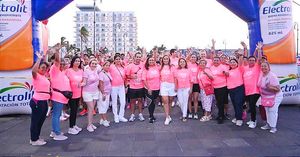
[
  {"x": 84, "y": 34},
  {"x": 88, "y": 50}
]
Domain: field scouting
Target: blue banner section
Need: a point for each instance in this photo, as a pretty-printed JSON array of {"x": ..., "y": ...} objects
[
  {"x": 248, "y": 11},
  {"x": 35, "y": 37},
  {"x": 43, "y": 9}
]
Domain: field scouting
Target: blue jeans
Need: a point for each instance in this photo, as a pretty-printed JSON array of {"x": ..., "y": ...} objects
[
  {"x": 237, "y": 96},
  {"x": 57, "y": 108}
]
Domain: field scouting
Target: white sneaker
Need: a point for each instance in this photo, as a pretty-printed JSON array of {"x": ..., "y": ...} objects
[
  {"x": 122, "y": 119},
  {"x": 90, "y": 128},
  {"x": 204, "y": 119},
  {"x": 132, "y": 118},
  {"x": 239, "y": 122},
  {"x": 141, "y": 118},
  {"x": 101, "y": 121},
  {"x": 234, "y": 120},
  {"x": 273, "y": 130},
  {"x": 249, "y": 122},
  {"x": 159, "y": 104},
  {"x": 94, "y": 127},
  {"x": 106, "y": 123},
  {"x": 37, "y": 142},
  {"x": 116, "y": 119},
  {"x": 190, "y": 116},
  {"x": 252, "y": 125},
  {"x": 78, "y": 128},
  {"x": 173, "y": 104},
  {"x": 209, "y": 117},
  {"x": 60, "y": 137},
  {"x": 196, "y": 116},
  {"x": 168, "y": 120},
  {"x": 73, "y": 131},
  {"x": 66, "y": 115},
  {"x": 52, "y": 134},
  {"x": 265, "y": 127},
  {"x": 62, "y": 118}
]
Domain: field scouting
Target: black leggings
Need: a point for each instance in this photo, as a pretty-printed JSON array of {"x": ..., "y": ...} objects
[
  {"x": 154, "y": 95},
  {"x": 39, "y": 110},
  {"x": 73, "y": 103},
  {"x": 221, "y": 95},
  {"x": 252, "y": 105}
]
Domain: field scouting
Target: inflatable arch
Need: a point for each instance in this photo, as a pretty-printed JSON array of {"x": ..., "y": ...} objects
[{"x": 23, "y": 26}]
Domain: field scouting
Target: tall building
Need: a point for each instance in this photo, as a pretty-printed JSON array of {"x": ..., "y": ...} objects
[{"x": 117, "y": 31}]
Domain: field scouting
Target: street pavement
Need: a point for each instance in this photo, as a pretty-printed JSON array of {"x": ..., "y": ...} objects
[{"x": 191, "y": 138}]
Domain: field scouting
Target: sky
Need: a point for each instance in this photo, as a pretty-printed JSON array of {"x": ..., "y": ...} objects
[{"x": 182, "y": 23}]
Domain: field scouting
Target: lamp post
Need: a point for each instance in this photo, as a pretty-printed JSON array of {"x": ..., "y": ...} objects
[
  {"x": 117, "y": 27},
  {"x": 224, "y": 42},
  {"x": 94, "y": 44},
  {"x": 124, "y": 38},
  {"x": 296, "y": 27}
]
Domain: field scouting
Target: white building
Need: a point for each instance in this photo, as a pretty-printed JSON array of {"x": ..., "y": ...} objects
[{"x": 117, "y": 31}]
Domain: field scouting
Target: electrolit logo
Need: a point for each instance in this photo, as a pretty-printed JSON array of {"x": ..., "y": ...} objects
[
  {"x": 287, "y": 87},
  {"x": 9, "y": 97},
  {"x": 277, "y": 9},
  {"x": 18, "y": 8}
]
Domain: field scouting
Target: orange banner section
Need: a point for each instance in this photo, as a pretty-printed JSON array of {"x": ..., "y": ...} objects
[{"x": 17, "y": 52}]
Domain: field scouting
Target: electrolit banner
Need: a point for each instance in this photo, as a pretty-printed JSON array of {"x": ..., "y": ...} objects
[
  {"x": 15, "y": 35},
  {"x": 15, "y": 94},
  {"x": 276, "y": 24}
]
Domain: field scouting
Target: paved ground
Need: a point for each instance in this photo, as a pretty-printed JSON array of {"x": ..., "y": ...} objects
[{"x": 192, "y": 138}]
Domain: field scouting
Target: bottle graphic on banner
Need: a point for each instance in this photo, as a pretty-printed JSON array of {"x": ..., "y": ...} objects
[
  {"x": 277, "y": 31},
  {"x": 16, "y": 51}
]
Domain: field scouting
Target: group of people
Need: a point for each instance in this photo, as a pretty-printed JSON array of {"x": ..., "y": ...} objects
[{"x": 153, "y": 78}]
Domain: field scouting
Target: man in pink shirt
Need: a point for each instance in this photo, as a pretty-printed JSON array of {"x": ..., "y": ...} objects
[{"x": 136, "y": 87}]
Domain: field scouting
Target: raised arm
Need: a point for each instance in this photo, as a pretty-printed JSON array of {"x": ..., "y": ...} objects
[
  {"x": 35, "y": 67},
  {"x": 245, "y": 48},
  {"x": 213, "y": 50}
]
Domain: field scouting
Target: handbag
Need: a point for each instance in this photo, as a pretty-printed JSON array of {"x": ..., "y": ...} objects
[
  {"x": 67, "y": 94},
  {"x": 267, "y": 101},
  {"x": 209, "y": 89}
]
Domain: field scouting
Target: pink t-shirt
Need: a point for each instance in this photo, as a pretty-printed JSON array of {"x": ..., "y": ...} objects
[
  {"x": 218, "y": 75},
  {"x": 203, "y": 79},
  {"x": 235, "y": 78},
  {"x": 193, "y": 67},
  {"x": 167, "y": 74},
  {"x": 106, "y": 78},
  {"x": 132, "y": 70},
  {"x": 251, "y": 76},
  {"x": 92, "y": 81},
  {"x": 75, "y": 78},
  {"x": 152, "y": 77},
  {"x": 174, "y": 61},
  {"x": 118, "y": 75},
  {"x": 271, "y": 79},
  {"x": 41, "y": 84},
  {"x": 209, "y": 63},
  {"x": 60, "y": 81},
  {"x": 183, "y": 77}
]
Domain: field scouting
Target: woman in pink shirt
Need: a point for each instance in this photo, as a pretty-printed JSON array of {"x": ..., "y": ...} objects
[
  {"x": 151, "y": 79},
  {"x": 270, "y": 93},
  {"x": 118, "y": 89},
  {"x": 167, "y": 86},
  {"x": 183, "y": 86},
  {"x": 205, "y": 81},
  {"x": 250, "y": 77},
  {"x": 220, "y": 88},
  {"x": 193, "y": 97},
  {"x": 74, "y": 74},
  {"x": 235, "y": 85},
  {"x": 136, "y": 87},
  {"x": 39, "y": 101},
  {"x": 90, "y": 91},
  {"x": 105, "y": 80},
  {"x": 59, "y": 83}
]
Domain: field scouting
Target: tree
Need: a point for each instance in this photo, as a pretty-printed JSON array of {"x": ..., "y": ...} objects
[
  {"x": 84, "y": 34},
  {"x": 88, "y": 50}
]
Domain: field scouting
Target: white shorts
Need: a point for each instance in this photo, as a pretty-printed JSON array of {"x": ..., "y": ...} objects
[
  {"x": 103, "y": 105},
  {"x": 90, "y": 96},
  {"x": 167, "y": 89}
]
